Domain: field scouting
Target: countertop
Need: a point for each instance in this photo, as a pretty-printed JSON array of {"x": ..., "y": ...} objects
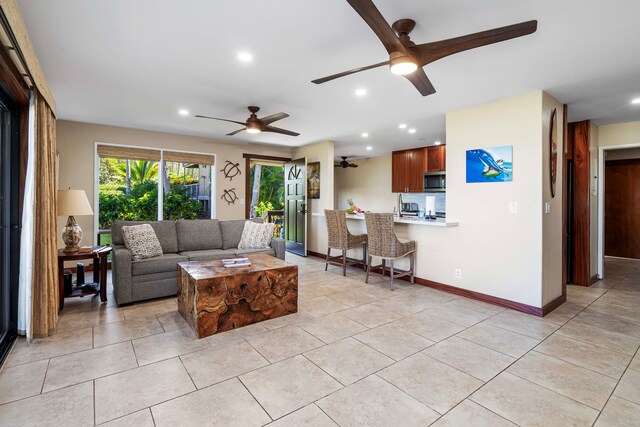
[{"x": 440, "y": 222}]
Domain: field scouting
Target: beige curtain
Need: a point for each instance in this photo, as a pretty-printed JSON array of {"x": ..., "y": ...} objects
[{"x": 45, "y": 265}]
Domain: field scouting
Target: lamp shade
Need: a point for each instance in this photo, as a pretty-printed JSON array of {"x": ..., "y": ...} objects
[{"x": 73, "y": 203}]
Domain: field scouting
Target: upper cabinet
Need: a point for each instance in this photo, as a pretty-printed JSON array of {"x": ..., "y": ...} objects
[
  {"x": 436, "y": 158},
  {"x": 408, "y": 167},
  {"x": 407, "y": 170}
]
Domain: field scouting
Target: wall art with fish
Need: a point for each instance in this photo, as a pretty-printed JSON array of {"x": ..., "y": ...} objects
[{"x": 493, "y": 164}]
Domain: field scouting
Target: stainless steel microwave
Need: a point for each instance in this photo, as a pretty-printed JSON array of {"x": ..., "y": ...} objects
[{"x": 435, "y": 181}]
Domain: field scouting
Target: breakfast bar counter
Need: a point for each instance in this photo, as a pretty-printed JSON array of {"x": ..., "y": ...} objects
[{"x": 439, "y": 222}]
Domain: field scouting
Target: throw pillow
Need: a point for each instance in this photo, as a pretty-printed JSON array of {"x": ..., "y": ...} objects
[
  {"x": 142, "y": 241},
  {"x": 256, "y": 236}
]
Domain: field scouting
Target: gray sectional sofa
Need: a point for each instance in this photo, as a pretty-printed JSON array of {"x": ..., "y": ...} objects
[{"x": 183, "y": 240}]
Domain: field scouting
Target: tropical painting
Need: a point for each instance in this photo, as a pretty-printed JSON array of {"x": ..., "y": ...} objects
[
  {"x": 313, "y": 180},
  {"x": 493, "y": 164}
]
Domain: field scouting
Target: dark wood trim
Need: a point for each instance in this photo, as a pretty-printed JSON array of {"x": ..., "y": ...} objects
[
  {"x": 261, "y": 157},
  {"x": 87, "y": 268},
  {"x": 548, "y": 308},
  {"x": 580, "y": 132},
  {"x": 11, "y": 79},
  {"x": 593, "y": 279},
  {"x": 247, "y": 175},
  {"x": 565, "y": 156},
  {"x": 524, "y": 308}
]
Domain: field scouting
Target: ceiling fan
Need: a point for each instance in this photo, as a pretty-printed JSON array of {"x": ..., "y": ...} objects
[
  {"x": 407, "y": 59},
  {"x": 256, "y": 125},
  {"x": 345, "y": 164}
]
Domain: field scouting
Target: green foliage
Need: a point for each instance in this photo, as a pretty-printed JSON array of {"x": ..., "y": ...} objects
[
  {"x": 109, "y": 172},
  {"x": 139, "y": 170},
  {"x": 178, "y": 205},
  {"x": 263, "y": 207},
  {"x": 142, "y": 203},
  {"x": 271, "y": 186}
]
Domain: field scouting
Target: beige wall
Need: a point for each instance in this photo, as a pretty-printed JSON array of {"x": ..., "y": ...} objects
[
  {"x": 316, "y": 228},
  {"x": 369, "y": 185},
  {"x": 552, "y": 254},
  {"x": 594, "y": 133},
  {"x": 622, "y": 154},
  {"x": 76, "y": 145},
  {"x": 619, "y": 134}
]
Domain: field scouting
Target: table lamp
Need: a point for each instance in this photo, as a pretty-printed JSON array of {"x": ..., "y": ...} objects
[{"x": 70, "y": 203}]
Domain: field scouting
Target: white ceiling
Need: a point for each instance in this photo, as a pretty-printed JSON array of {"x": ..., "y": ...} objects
[{"x": 136, "y": 63}]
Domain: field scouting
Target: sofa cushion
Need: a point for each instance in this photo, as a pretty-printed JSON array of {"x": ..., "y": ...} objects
[
  {"x": 160, "y": 264},
  {"x": 244, "y": 252},
  {"x": 141, "y": 241},
  {"x": 165, "y": 231},
  {"x": 256, "y": 236},
  {"x": 154, "y": 277},
  {"x": 198, "y": 234},
  {"x": 232, "y": 231},
  {"x": 209, "y": 254}
]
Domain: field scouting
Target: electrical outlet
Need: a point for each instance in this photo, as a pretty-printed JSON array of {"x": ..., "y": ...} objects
[
  {"x": 458, "y": 273},
  {"x": 547, "y": 208},
  {"x": 242, "y": 200},
  {"x": 513, "y": 207}
]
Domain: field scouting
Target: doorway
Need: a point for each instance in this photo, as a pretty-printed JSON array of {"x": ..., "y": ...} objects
[
  {"x": 295, "y": 206},
  {"x": 619, "y": 201},
  {"x": 9, "y": 221}
]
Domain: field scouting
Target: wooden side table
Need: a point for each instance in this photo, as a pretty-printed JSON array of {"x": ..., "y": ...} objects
[{"x": 98, "y": 253}]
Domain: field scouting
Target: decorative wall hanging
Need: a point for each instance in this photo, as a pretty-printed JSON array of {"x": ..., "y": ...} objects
[
  {"x": 553, "y": 151},
  {"x": 490, "y": 164},
  {"x": 231, "y": 170},
  {"x": 313, "y": 180},
  {"x": 230, "y": 196}
]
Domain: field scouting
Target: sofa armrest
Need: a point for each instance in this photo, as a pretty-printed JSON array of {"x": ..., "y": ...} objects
[
  {"x": 121, "y": 274},
  {"x": 278, "y": 245}
]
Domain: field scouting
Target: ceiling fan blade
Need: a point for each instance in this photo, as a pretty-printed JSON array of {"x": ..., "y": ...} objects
[
  {"x": 429, "y": 52},
  {"x": 278, "y": 130},
  {"x": 352, "y": 165},
  {"x": 374, "y": 19},
  {"x": 273, "y": 118},
  {"x": 224, "y": 120},
  {"x": 421, "y": 82},
  {"x": 346, "y": 73},
  {"x": 237, "y": 131}
]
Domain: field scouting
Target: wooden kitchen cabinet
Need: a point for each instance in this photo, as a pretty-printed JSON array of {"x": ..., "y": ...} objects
[
  {"x": 407, "y": 170},
  {"x": 436, "y": 158}
]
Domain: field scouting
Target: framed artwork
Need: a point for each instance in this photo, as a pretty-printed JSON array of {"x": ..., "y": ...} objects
[
  {"x": 553, "y": 151},
  {"x": 493, "y": 164},
  {"x": 313, "y": 180}
]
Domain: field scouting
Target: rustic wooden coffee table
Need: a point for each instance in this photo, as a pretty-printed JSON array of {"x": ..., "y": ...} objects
[{"x": 214, "y": 299}]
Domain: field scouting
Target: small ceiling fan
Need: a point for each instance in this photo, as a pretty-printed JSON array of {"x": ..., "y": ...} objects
[
  {"x": 407, "y": 59},
  {"x": 256, "y": 125},
  {"x": 345, "y": 164}
]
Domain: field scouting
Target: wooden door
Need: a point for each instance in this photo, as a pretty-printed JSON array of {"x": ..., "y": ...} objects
[
  {"x": 295, "y": 206},
  {"x": 436, "y": 158},
  {"x": 622, "y": 208}
]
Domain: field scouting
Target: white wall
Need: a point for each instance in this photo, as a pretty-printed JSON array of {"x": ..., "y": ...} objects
[
  {"x": 552, "y": 254},
  {"x": 593, "y": 199},
  {"x": 316, "y": 227}
]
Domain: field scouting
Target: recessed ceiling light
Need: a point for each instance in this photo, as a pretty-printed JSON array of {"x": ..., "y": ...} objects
[
  {"x": 183, "y": 112},
  {"x": 412, "y": 130},
  {"x": 245, "y": 57},
  {"x": 437, "y": 143},
  {"x": 369, "y": 148},
  {"x": 361, "y": 92},
  {"x": 635, "y": 101},
  {"x": 402, "y": 126},
  {"x": 364, "y": 134}
]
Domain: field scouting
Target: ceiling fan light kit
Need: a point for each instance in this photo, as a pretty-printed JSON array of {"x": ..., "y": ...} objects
[{"x": 406, "y": 58}]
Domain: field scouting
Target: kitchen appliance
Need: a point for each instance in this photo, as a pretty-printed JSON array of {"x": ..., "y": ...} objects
[
  {"x": 407, "y": 209},
  {"x": 434, "y": 181},
  {"x": 430, "y": 207}
]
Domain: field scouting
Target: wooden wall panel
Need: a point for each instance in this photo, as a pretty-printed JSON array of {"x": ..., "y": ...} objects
[{"x": 579, "y": 134}]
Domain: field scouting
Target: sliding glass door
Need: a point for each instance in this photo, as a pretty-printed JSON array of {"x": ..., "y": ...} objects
[{"x": 9, "y": 230}]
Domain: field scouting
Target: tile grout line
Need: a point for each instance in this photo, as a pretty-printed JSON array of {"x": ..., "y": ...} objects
[{"x": 44, "y": 380}]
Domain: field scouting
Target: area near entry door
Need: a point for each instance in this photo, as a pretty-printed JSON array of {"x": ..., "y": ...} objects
[{"x": 295, "y": 206}]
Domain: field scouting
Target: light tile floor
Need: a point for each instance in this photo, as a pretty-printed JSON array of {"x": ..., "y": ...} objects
[{"x": 355, "y": 354}]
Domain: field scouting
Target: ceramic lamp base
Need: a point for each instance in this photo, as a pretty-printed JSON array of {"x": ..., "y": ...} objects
[{"x": 71, "y": 235}]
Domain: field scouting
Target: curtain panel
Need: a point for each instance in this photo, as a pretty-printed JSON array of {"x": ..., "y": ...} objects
[{"x": 45, "y": 251}]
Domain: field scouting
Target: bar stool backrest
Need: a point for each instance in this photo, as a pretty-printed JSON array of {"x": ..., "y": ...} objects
[{"x": 382, "y": 236}]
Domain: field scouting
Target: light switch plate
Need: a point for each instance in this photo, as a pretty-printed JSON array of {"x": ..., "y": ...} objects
[
  {"x": 242, "y": 200},
  {"x": 513, "y": 207},
  {"x": 547, "y": 208}
]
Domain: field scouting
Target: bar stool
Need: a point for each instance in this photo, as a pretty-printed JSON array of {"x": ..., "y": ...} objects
[
  {"x": 341, "y": 239},
  {"x": 384, "y": 243}
]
